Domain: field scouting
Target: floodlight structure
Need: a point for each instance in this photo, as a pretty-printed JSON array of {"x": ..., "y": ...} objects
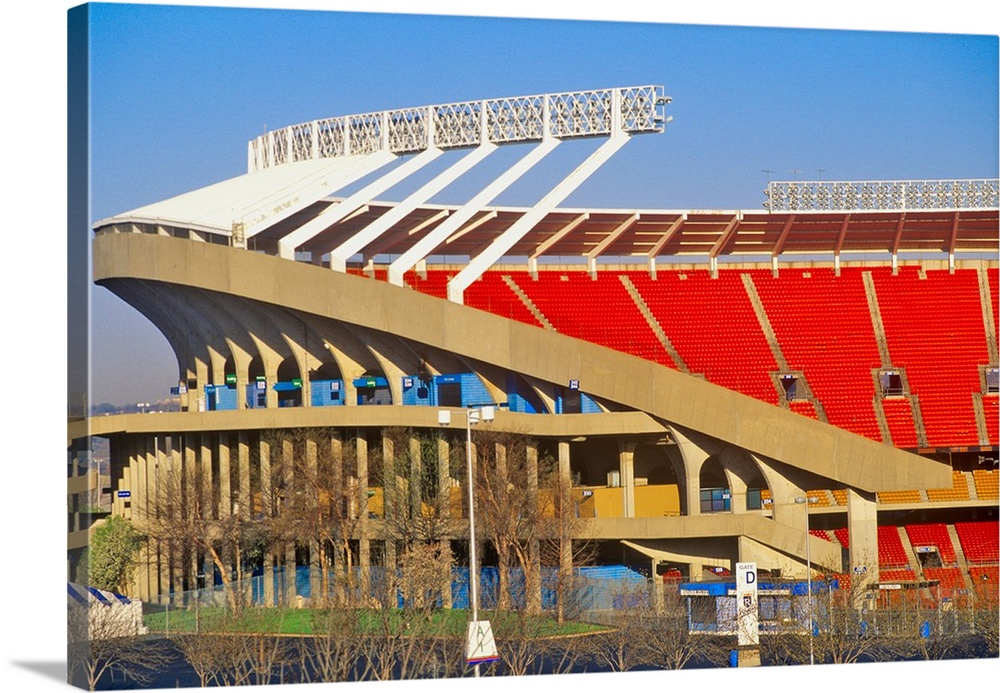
[
  {"x": 805, "y": 502},
  {"x": 472, "y": 416},
  {"x": 366, "y": 143}
]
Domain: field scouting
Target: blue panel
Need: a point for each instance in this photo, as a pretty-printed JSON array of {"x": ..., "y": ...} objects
[
  {"x": 417, "y": 392},
  {"x": 327, "y": 393},
  {"x": 474, "y": 392}
]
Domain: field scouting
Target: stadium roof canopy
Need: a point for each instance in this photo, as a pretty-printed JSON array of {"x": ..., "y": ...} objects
[{"x": 292, "y": 201}]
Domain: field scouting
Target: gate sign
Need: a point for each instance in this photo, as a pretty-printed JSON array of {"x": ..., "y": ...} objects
[
  {"x": 479, "y": 643},
  {"x": 747, "y": 613}
]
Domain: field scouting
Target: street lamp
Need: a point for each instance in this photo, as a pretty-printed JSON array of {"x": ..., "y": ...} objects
[
  {"x": 809, "y": 582},
  {"x": 472, "y": 416}
]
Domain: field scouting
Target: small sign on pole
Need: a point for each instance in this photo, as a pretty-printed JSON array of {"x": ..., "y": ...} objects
[
  {"x": 747, "y": 614},
  {"x": 480, "y": 647}
]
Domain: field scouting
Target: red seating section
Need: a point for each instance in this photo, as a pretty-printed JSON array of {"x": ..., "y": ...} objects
[
  {"x": 891, "y": 553},
  {"x": 491, "y": 293},
  {"x": 824, "y": 327},
  {"x": 899, "y": 416},
  {"x": 435, "y": 283},
  {"x": 935, "y": 534},
  {"x": 979, "y": 541},
  {"x": 843, "y": 537},
  {"x": 597, "y": 310},
  {"x": 950, "y": 578},
  {"x": 713, "y": 327},
  {"x": 934, "y": 328},
  {"x": 803, "y": 407}
]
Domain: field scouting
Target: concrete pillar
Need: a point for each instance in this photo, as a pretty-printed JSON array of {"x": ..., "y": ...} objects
[
  {"x": 191, "y": 493},
  {"x": 416, "y": 474},
  {"x": 264, "y": 460},
  {"x": 862, "y": 532},
  {"x": 626, "y": 466},
  {"x": 225, "y": 478},
  {"x": 208, "y": 505},
  {"x": 694, "y": 457},
  {"x": 393, "y": 502},
  {"x": 444, "y": 500},
  {"x": 337, "y": 483},
  {"x": 289, "y": 590},
  {"x": 315, "y": 568},
  {"x": 566, "y": 543},
  {"x": 364, "y": 542},
  {"x": 137, "y": 505},
  {"x": 533, "y": 580}
]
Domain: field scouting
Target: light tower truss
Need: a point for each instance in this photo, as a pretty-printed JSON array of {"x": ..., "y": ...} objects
[
  {"x": 881, "y": 195},
  {"x": 507, "y": 120}
]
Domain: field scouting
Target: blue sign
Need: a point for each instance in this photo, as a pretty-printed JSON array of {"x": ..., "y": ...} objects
[{"x": 124, "y": 494}]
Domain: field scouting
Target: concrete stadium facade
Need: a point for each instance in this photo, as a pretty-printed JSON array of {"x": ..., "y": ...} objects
[{"x": 257, "y": 298}]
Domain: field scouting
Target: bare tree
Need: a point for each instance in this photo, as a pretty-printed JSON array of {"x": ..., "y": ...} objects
[
  {"x": 188, "y": 519},
  {"x": 316, "y": 502},
  {"x": 418, "y": 518},
  {"x": 563, "y": 543},
  {"x": 670, "y": 642},
  {"x": 507, "y": 500},
  {"x": 104, "y": 641}
]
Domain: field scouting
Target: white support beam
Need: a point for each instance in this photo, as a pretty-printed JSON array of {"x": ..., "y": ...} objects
[
  {"x": 496, "y": 250},
  {"x": 357, "y": 242},
  {"x": 432, "y": 240},
  {"x": 306, "y": 232},
  {"x": 558, "y": 236},
  {"x": 606, "y": 243},
  {"x": 292, "y": 200}
]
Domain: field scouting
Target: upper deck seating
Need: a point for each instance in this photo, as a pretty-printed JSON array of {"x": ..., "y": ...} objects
[
  {"x": 934, "y": 329},
  {"x": 712, "y": 325},
  {"x": 824, "y": 328},
  {"x": 933, "y": 534}
]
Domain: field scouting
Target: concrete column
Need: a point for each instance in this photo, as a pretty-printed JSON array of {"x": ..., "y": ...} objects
[
  {"x": 626, "y": 466},
  {"x": 147, "y": 468},
  {"x": 444, "y": 492},
  {"x": 364, "y": 542},
  {"x": 657, "y": 587},
  {"x": 416, "y": 474},
  {"x": 208, "y": 505},
  {"x": 533, "y": 580},
  {"x": 289, "y": 590},
  {"x": 264, "y": 457},
  {"x": 862, "y": 532},
  {"x": 177, "y": 480},
  {"x": 315, "y": 568},
  {"x": 225, "y": 478},
  {"x": 394, "y": 501},
  {"x": 337, "y": 483},
  {"x": 566, "y": 543},
  {"x": 191, "y": 494},
  {"x": 694, "y": 457}
]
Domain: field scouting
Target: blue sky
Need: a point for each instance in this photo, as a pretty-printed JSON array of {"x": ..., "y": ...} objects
[
  {"x": 178, "y": 91},
  {"x": 741, "y": 105}
]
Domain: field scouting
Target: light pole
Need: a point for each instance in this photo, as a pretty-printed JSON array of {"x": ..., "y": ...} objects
[
  {"x": 809, "y": 581},
  {"x": 471, "y": 416}
]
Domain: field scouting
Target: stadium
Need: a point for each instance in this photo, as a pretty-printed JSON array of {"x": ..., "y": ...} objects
[{"x": 811, "y": 386}]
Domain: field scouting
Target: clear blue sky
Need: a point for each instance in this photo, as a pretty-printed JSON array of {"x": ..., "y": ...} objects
[
  {"x": 185, "y": 117},
  {"x": 178, "y": 91}
]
